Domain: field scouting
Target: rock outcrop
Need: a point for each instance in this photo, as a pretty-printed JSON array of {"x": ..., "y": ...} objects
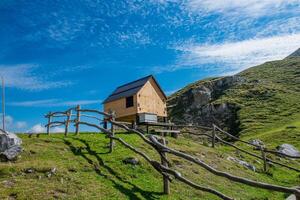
[
  {"x": 295, "y": 54},
  {"x": 288, "y": 149},
  {"x": 243, "y": 163},
  {"x": 10, "y": 145},
  {"x": 195, "y": 104}
]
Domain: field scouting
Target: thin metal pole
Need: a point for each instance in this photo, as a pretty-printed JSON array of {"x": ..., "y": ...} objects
[{"x": 3, "y": 103}]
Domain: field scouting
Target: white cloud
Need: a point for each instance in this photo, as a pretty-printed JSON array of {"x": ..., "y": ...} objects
[
  {"x": 253, "y": 8},
  {"x": 234, "y": 56},
  {"x": 21, "y": 125},
  {"x": 135, "y": 37},
  {"x": 57, "y": 130},
  {"x": 11, "y": 124},
  {"x": 38, "y": 128},
  {"x": 53, "y": 103},
  {"x": 23, "y": 76}
]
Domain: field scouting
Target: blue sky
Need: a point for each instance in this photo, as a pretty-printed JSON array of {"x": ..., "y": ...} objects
[{"x": 56, "y": 54}]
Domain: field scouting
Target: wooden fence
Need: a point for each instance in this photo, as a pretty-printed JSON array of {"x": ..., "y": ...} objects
[
  {"x": 159, "y": 145},
  {"x": 215, "y": 134}
]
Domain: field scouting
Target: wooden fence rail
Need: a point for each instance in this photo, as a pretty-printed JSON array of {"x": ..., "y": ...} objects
[
  {"x": 215, "y": 137},
  {"x": 159, "y": 145}
]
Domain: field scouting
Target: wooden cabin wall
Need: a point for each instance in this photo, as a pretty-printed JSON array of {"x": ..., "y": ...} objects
[
  {"x": 151, "y": 100},
  {"x": 119, "y": 106}
]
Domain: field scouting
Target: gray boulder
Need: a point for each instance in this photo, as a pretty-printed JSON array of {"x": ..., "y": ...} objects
[
  {"x": 288, "y": 149},
  {"x": 10, "y": 145},
  {"x": 257, "y": 142},
  {"x": 243, "y": 163},
  {"x": 12, "y": 152}
]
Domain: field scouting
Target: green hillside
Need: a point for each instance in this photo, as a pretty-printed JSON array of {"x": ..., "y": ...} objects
[
  {"x": 85, "y": 170},
  {"x": 265, "y": 98},
  {"x": 266, "y": 105},
  {"x": 268, "y": 97}
]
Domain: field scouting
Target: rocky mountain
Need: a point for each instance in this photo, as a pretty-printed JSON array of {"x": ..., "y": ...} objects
[
  {"x": 249, "y": 102},
  {"x": 295, "y": 54}
]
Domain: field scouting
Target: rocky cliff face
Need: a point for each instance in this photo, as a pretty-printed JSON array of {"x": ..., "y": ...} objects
[
  {"x": 295, "y": 54},
  {"x": 257, "y": 99},
  {"x": 195, "y": 104}
]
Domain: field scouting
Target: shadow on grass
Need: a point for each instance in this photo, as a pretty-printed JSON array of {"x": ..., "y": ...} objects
[{"x": 130, "y": 193}]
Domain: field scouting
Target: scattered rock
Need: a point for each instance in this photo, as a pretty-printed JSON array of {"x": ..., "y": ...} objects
[
  {"x": 131, "y": 161},
  {"x": 11, "y": 153},
  {"x": 288, "y": 149},
  {"x": 8, "y": 139},
  {"x": 257, "y": 142},
  {"x": 241, "y": 162},
  {"x": 291, "y": 197},
  {"x": 8, "y": 183},
  {"x": 29, "y": 171},
  {"x": 51, "y": 172},
  {"x": 10, "y": 145}
]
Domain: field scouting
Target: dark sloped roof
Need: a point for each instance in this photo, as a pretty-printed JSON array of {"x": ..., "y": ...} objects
[{"x": 130, "y": 89}]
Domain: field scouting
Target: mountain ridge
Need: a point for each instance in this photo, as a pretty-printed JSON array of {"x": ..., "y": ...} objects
[
  {"x": 295, "y": 54},
  {"x": 254, "y": 100}
]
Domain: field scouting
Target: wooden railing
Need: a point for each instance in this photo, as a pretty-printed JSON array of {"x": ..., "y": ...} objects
[
  {"x": 159, "y": 145},
  {"x": 216, "y": 135}
]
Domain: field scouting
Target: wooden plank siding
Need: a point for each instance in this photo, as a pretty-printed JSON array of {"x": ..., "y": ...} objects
[
  {"x": 148, "y": 99},
  {"x": 119, "y": 106},
  {"x": 151, "y": 100}
]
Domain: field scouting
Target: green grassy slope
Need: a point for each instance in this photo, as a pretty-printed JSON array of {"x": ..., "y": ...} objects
[
  {"x": 269, "y": 97},
  {"x": 85, "y": 170}
]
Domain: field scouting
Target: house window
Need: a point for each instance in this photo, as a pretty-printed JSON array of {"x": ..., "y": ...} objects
[{"x": 129, "y": 102}]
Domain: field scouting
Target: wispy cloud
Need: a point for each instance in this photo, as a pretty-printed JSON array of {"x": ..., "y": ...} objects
[
  {"x": 24, "y": 76},
  {"x": 13, "y": 125},
  {"x": 39, "y": 128},
  {"x": 53, "y": 103},
  {"x": 231, "y": 57},
  {"x": 135, "y": 37},
  {"x": 253, "y": 8}
]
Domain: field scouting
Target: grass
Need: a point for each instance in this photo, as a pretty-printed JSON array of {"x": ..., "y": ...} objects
[
  {"x": 85, "y": 170},
  {"x": 268, "y": 97}
]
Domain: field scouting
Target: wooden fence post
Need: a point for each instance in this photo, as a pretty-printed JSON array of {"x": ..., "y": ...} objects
[
  {"x": 263, "y": 154},
  {"x": 49, "y": 121},
  {"x": 111, "y": 143},
  {"x": 147, "y": 128},
  {"x": 213, "y": 137},
  {"x": 165, "y": 163},
  {"x": 69, "y": 113},
  {"x": 297, "y": 195},
  {"x": 77, "y": 119}
]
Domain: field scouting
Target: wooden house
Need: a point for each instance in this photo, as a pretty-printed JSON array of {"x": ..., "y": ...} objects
[{"x": 139, "y": 101}]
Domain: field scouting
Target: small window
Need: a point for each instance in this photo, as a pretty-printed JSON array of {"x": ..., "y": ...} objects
[{"x": 129, "y": 102}]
